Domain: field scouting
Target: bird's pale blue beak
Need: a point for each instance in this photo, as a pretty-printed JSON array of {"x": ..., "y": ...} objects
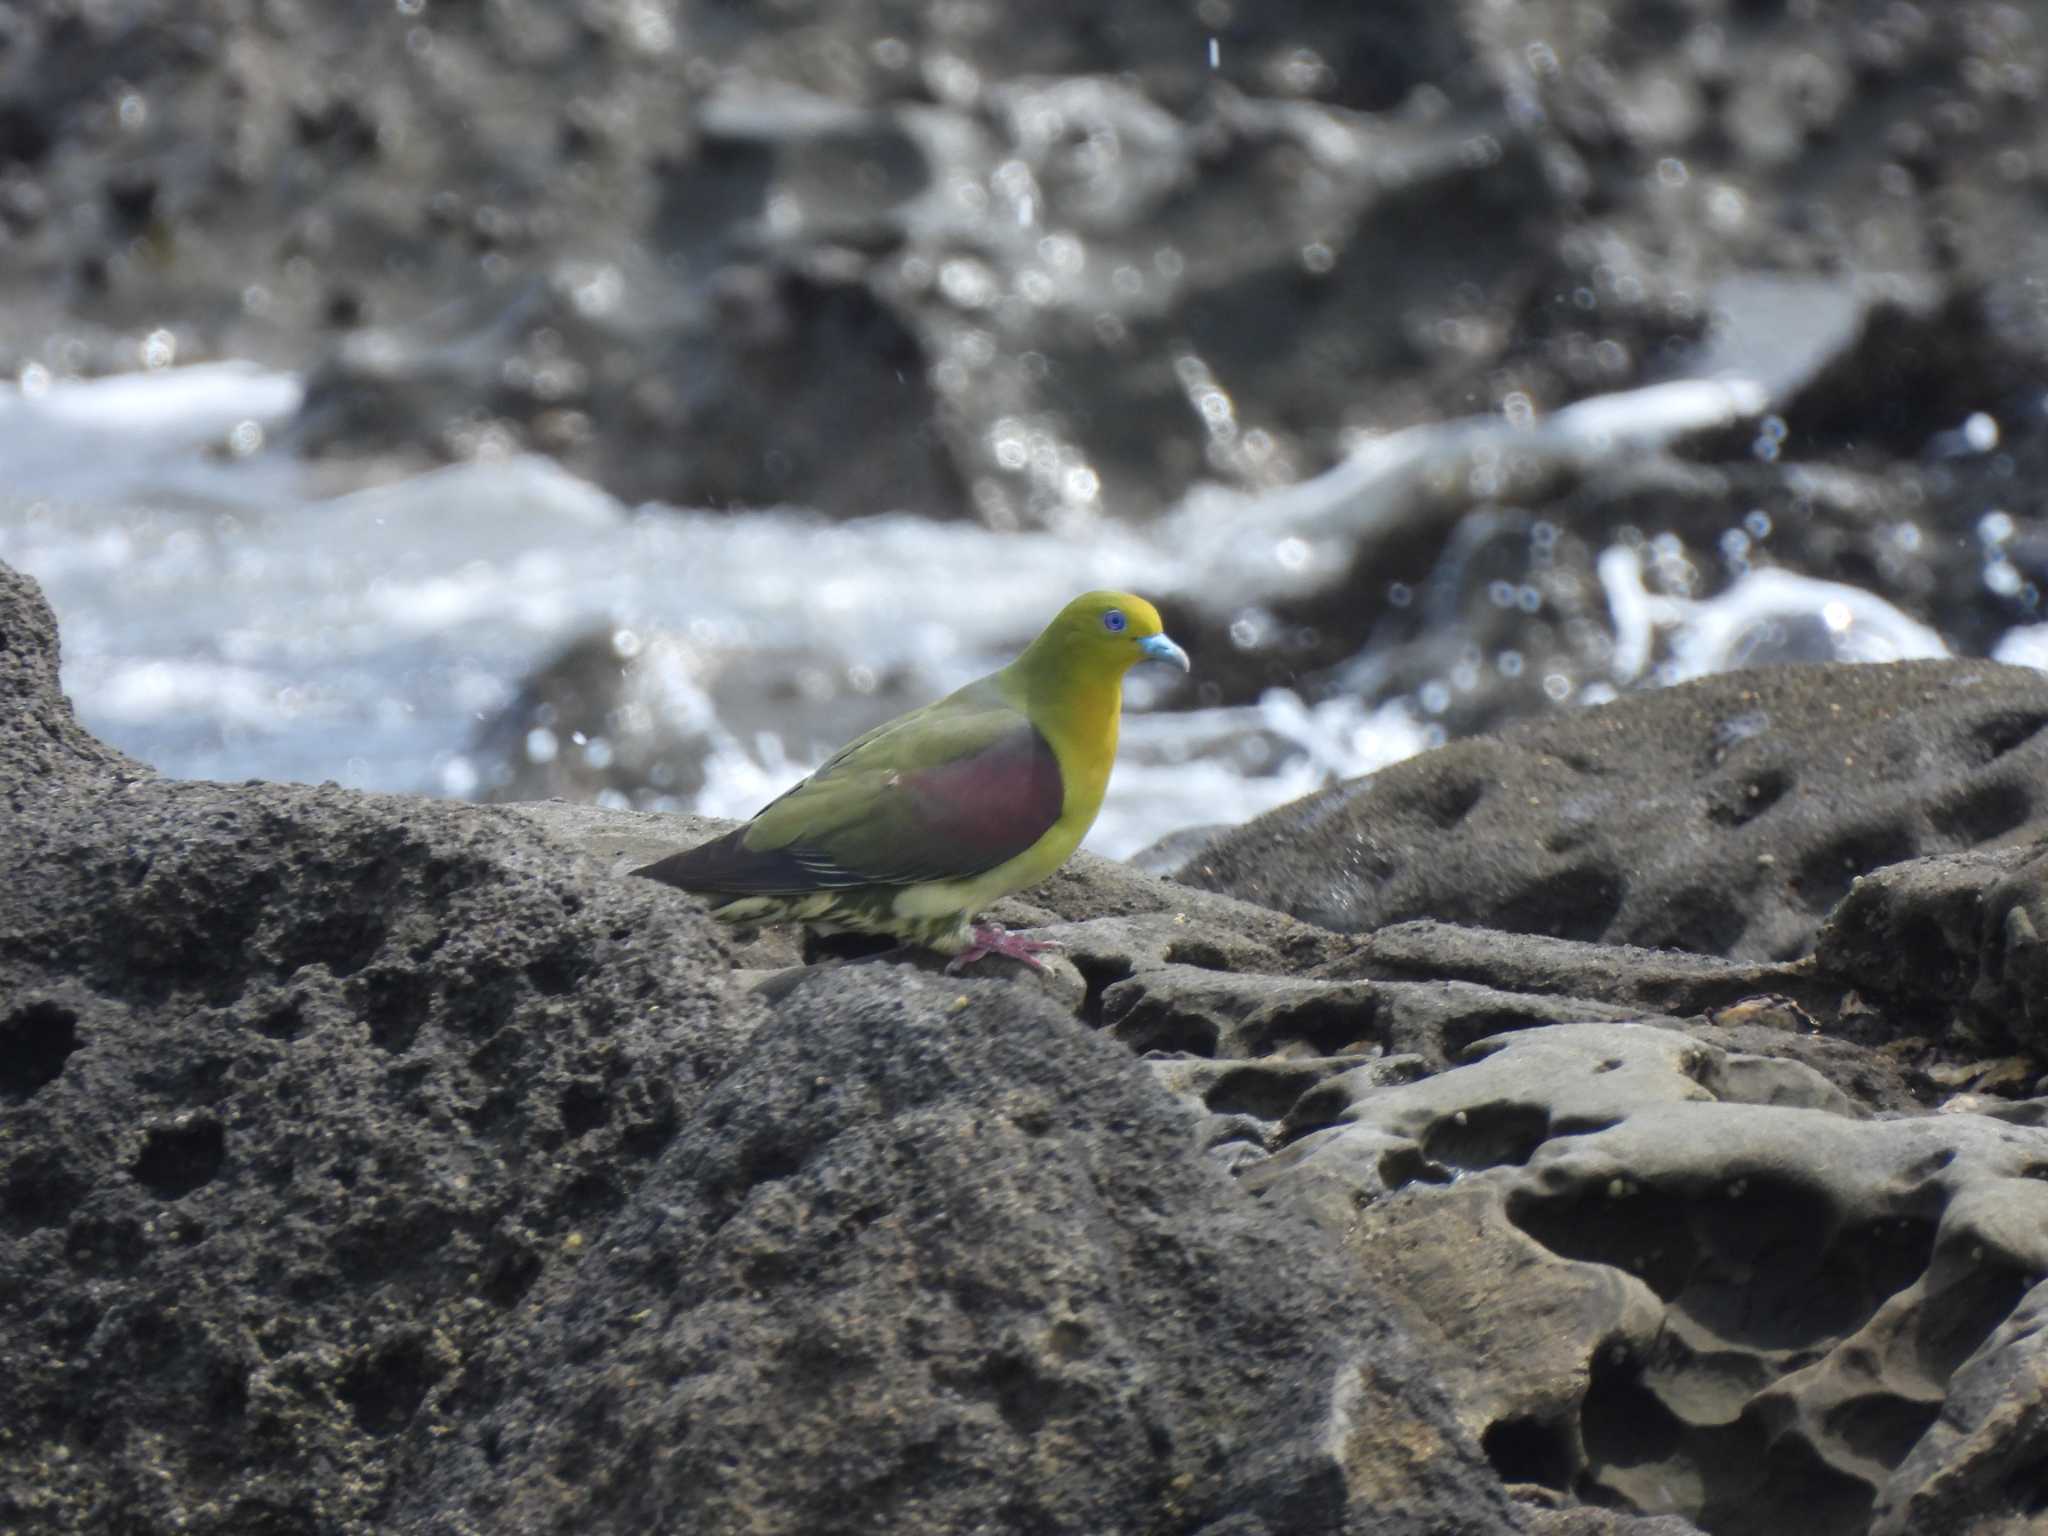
[{"x": 1159, "y": 648}]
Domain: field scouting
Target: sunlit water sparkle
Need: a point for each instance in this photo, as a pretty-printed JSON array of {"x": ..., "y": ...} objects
[{"x": 222, "y": 621}]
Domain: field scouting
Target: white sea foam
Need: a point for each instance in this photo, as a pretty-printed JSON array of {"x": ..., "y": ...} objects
[{"x": 219, "y": 622}]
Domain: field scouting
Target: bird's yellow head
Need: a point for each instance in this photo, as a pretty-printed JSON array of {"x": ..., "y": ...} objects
[{"x": 1102, "y": 634}]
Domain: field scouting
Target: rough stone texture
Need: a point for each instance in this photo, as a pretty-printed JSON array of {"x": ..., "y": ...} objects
[
  {"x": 1951, "y": 948},
  {"x": 373, "y": 1164},
  {"x": 1660, "y": 980},
  {"x": 1725, "y": 817},
  {"x": 1180, "y": 1008},
  {"x": 300, "y": 1091},
  {"x": 42, "y": 746},
  {"x": 1984, "y": 1461},
  {"x": 1685, "y": 1282},
  {"x": 932, "y": 1258}
]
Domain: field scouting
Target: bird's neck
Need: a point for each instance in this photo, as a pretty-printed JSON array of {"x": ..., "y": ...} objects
[{"x": 1078, "y": 714}]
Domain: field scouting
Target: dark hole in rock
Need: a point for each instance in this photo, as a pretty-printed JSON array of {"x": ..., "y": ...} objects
[
  {"x": 1402, "y": 1166},
  {"x": 1152, "y": 1023},
  {"x": 1959, "y": 1316},
  {"x": 1100, "y": 975},
  {"x": 1485, "y": 1023},
  {"x": 396, "y": 1002},
  {"x": 335, "y": 937},
  {"x": 1994, "y": 737},
  {"x": 35, "y": 1042},
  {"x": 1748, "y": 797},
  {"x": 286, "y": 1021},
  {"x": 1637, "y": 1229},
  {"x": 1340, "y": 1025},
  {"x": 1071, "y": 1340},
  {"x": 1575, "y": 903},
  {"x": 765, "y": 1162},
  {"x": 1758, "y": 1219},
  {"x": 1880, "y": 1426},
  {"x": 386, "y": 1389},
  {"x": 1797, "y": 1492},
  {"x": 1487, "y": 1136},
  {"x": 1022, "y": 1396},
  {"x": 1260, "y": 1090},
  {"x": 1981, "y": 812},
  {"x": 179, "y": 1158},
  {"x": 1698, "y": 918},
  {"x": 105, "y": 1244},
  {"x": 2026, "y": 1490},
  {"x": 1621, "y": 1422},
  {"x": 1319, "y": 1108},
  {"x": 590, "y": 1193},
  {"x": 556, "y": 972},
  {"x": 1924, "y": 957},
  {"x": 1775, "y": 1273},
  {"x": 1888, "y": 1255},
  {"x": 1824, "y": 875},
  {"x": 227, "y": 1391},
  {"x": 39, "y": 1194},
  {"x": 1202, "y": 954},
  {"x": 510, "y": 1275},
  {"x": 645, "y": 1137},
  {"x": 845, "y": 946},
  {"x": 584, "y": 1108},
  {"x": 1525, "y": 1450},
  {"x": 1584, "y": 1125},
  {"x": 1447, "y": 802}
]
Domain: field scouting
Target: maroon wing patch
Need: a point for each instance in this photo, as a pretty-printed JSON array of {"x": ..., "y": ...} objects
[{"x": 984, "y": 809}]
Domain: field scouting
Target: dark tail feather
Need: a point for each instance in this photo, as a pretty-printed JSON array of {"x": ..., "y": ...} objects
[{"x": 726, "y": 866}]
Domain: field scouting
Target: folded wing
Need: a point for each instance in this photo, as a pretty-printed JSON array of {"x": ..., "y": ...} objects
[{"x": 944, "y": 793}]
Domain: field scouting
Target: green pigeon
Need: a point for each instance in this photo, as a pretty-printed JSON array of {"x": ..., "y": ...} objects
[{"x": 914, "y": 829}]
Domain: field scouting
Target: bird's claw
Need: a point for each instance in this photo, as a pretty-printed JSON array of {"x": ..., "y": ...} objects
[{"x": 988, "y": 939}]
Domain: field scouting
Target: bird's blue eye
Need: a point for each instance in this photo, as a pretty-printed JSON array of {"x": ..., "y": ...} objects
[{"x": 1114, "y": 621}]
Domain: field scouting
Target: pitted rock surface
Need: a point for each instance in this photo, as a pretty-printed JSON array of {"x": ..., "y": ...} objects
[
  {"x": 1984, "y": 1461},
  {"x": 301, "y": 1090},
  {"x": 933, "y": 1258},
  {"x": 307, "y": 1096},
  {"x": 1725, "y": 816},
  {"x": 1678, "y": 1281}
]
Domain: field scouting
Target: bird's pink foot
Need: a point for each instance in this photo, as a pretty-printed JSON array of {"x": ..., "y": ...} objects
[{"x": 989, "y": 939}]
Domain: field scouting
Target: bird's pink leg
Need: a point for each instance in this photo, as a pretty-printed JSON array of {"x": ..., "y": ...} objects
[{"x": 989, "y": 939}]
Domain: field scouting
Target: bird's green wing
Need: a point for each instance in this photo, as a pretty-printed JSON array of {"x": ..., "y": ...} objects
[{"x": 941, "y": 793}]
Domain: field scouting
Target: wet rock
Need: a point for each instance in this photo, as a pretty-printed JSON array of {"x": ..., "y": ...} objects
[
  {"x": 857, "y": 1294},
  {"x": 1723, "y": 817}
]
